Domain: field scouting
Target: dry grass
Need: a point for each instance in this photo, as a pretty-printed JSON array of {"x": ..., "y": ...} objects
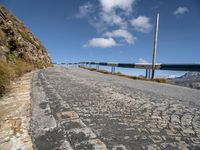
[
  {"x": 14, "y": 68},
  {"x": 160, "y": 80},
  {"x": 3, "y": 36},
  {"x": 11, "y": 70},
  {"x": 26, "y": 36},
  {"x": 6, "y": 75}
]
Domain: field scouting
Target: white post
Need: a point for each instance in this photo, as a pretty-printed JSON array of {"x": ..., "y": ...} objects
[{"x": 155, "y": 46}]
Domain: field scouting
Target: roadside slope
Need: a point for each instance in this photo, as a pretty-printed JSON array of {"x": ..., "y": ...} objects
[{"x": 20, "y": 50}]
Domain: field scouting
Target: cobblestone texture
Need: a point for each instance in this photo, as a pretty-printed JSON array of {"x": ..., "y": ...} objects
[{"x": 89, "y": 110}]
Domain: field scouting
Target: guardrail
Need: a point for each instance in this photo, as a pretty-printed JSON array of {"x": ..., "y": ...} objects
[
  {"x": 148, "y": 67},
  {"x": 175, "y": 67}
]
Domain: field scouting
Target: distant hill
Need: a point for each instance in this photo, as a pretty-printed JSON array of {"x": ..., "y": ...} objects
[{"x": 189, "y": 79}]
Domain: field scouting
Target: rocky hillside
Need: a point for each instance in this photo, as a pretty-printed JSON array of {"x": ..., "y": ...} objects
[
  {"x": 189, "y": 79},
  {"x": 18, "y": 40},
  {"x": 20, "y": 50}
]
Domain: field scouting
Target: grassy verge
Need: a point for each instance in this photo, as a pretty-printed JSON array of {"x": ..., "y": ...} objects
[
  {"x": 160, "y": 80},
  {"x": 14, "y": 68}
]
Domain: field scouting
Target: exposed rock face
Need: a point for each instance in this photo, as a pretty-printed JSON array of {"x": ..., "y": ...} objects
[
  {"x": 17, "y": 39},
  {"x": 189, "y": 79}
]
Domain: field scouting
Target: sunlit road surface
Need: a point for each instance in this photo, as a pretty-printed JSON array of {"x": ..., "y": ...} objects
[{"x": 73, "y": 108}]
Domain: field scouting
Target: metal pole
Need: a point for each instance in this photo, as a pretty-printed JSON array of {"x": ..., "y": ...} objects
[
  {"x": 146, "y": 73},
  {"x": 112, "y": 69},
  {"x": 149, "y": 73},
  {"x": 155, "y": 46},
  {"x": 97, "y": 67}
]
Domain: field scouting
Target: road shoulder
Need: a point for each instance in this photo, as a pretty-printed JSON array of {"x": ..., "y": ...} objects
[{"x": 15, "y": 115}]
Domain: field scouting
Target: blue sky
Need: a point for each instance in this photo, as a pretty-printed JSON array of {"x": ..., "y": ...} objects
[{"x": 113, "y": 30}]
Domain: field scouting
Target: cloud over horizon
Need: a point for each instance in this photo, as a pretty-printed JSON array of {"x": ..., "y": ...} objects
[
  {"x": 142, "y": 61},
  {"x": 101, "y": 43},
  {"x": 127, "y": 36}
]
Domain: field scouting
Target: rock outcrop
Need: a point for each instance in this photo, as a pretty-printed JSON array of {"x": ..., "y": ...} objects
[
  {"x": 17, "y": 39},
  {"x": 189, "y": 79},
  {"x": 20, "y": 50}
]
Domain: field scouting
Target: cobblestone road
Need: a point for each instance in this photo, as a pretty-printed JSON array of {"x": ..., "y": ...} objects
[{"x": 74, "y": 108}]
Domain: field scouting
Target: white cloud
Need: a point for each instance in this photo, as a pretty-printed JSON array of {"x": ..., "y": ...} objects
[
  {"x": 110, "y": 5},
  {"x": 141, "y": 24},
  {"x": 84, "y": 10},
  {"x": 101, "y": 43},
  {"x": 181, "y": 11},
  {"x": 128, "y": 37},
  {"x": 110, "y": 9},
  {"x": 107, "y": 13},
  {"x": 113, "y": 14},
  {"x": 112, "y": 19},
  {"x": 142, "y": 61}
]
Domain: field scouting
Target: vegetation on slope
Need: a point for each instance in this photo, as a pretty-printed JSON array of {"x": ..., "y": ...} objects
[
  {"x": 20, "y": 50},
  {"x": 160, "y": 80},
  {"x": 15, "y": 67}
]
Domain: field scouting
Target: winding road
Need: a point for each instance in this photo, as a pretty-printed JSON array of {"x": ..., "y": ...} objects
[{"x": 73, "y": 108}]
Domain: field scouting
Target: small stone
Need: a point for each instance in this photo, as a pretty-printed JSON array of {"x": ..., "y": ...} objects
[
  {"x": 155, "y": 138},
  {"x": 94, "y": 144},
  {"x": 67, "y": 115},
  {"x": 153, "y": 147}
]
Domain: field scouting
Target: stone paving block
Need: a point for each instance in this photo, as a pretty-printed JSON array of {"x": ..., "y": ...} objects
[
  {"x": 65, "y": 146},
  {"x": 67, "y": 115},
  {"x": 80, "y": 134},
  {"x": 167, "y": 145},
  {"x": 155, "y": 138},
  {"x": 94, "y": 144},
  {"x": 51, "y": 139},
  {"x": 73, "y": 124},
  {"x": 119, "y": 147},
  {"x": 153, "y": 147}
]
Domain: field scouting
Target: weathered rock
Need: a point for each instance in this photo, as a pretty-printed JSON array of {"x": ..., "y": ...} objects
[
  {"x": 3, "y": 52},
  {"x": 17, "y": 39}
]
